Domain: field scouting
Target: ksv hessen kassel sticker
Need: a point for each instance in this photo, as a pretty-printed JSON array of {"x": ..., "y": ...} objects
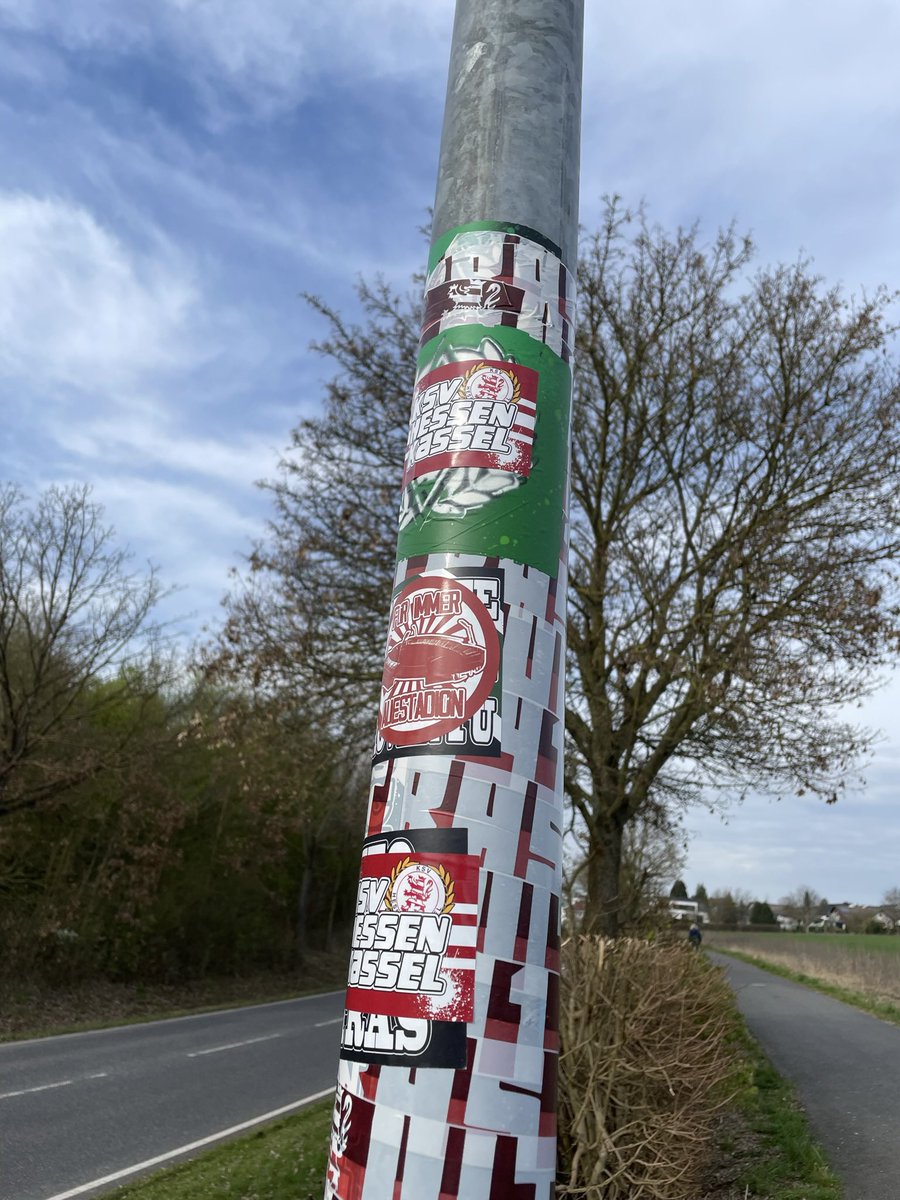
[
  {"x": 411, "y": 985},
  {"x": 442, "y": 660},
  {"x": 472, "y": 414}
]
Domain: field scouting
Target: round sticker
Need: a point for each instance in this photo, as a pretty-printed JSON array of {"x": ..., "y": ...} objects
[
  {"x": 486, "y": 382},
  {"x": 419, "y": 888},
  {"x": 442, "y": 659}
]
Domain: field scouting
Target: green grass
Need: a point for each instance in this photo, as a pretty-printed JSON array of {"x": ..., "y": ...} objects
[
  {"x": 881, "y": 942},
  {"x": 784, "y": 1161},
  {"x": 879, "y": 1008},
  {"x": 285, "y": 1161},
  {"x": 31, "y": 1008}
]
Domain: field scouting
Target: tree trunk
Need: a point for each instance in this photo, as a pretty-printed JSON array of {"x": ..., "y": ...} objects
[
  {"x": 336, "y": 888},
  {"x": 303, "y": 906},
  {"x": 603, "y": 903}
]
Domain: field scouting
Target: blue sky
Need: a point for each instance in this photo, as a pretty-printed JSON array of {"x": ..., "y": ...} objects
[{"x": 174, "y": 173}]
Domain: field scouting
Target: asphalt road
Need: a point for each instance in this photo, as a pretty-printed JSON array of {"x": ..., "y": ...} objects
[
  {"x": 845, "y": 1066},
  {"x": 83, "y": 1113}
]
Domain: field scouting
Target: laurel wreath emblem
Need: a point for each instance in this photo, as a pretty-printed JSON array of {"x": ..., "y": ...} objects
[
  {"x": 446, "y": 879},
  {"x": 517, "y": 387}
]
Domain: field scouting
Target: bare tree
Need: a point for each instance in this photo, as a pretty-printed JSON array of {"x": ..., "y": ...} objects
[
  {"x": 736, "y": 519},
  {"x": 653, "y": 854},
  {"x": 76, "y": 640},
  {"x": 310, "y": 618},
  {"x": 735, "y": 516},
  {"x": 803, "y": 904},
  {"x": 730, "y": 908},
  {"x": 891, "y": 903}
]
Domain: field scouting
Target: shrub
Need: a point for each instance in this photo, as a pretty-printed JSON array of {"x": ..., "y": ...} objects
[{"x": 645, "y": 1066}]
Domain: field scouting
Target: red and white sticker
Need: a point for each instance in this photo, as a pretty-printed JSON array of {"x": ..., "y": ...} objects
[
  {"x": 442, "y": 660},
  {"x": 472, "y": 414},
  {"x": 414, "y": 939}
]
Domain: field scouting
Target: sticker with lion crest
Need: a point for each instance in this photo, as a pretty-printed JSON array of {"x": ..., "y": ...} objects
[
  {"x": 472, "y": 414},
  {"x": 412, "y": 959}
]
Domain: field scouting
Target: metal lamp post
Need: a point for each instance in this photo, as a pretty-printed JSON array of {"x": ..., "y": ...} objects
[{"x": 447, "y": 1081}]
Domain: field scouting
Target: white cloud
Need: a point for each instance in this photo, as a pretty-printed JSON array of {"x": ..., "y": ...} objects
[
  {"x": 160, "y": 442},
  {"x": 272, "y": 53},
  {"x": 193, "y": 534},
  {"x": 81, "y": 309},
  {"x": 847, "y": 851},
  {"x": 126, "y": 375}
]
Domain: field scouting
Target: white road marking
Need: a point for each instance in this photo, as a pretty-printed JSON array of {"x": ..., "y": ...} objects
[
  {"x": 186, "y": 1149},
  {"x": 335, "y": 1021},
  {"x": 46, "y": 1087},
  {"x": 234, "y": 1045}
]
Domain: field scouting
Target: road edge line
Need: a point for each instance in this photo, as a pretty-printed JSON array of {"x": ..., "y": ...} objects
[
  {"x": 208, "y": 1012},
  {"x": 186, "y": 1149}
]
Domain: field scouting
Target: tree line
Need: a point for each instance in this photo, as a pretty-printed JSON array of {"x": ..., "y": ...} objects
[
  {"x": 804, "y": 906},
  {"x": 156, "y": 820},
  {"x": 734, "y": 531}
]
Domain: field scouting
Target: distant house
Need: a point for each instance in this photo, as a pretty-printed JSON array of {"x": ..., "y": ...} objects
[
  {"x": 688, "y": 910},
  {"x": 863, "y": 916},
  {"x": 786, "y": 923},
  {"x": 833, "y": 919}
]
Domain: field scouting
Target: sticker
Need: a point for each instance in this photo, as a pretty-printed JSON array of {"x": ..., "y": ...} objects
[
  {"x": 485, "y": 471},
  {"x": 479, "y": 735},
  {"x": 465, "y": 297},
  {"x": 411, "y": 985},
  {"x": 442, "y": 660},
  {"x": 351, "y": 1132},
  {"x": 500, "y": 277},
  {"x": 472, "y": 414},
  {"x": 490, "y": 511}
]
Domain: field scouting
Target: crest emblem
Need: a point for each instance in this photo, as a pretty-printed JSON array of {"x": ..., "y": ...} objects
[{"x": 419, "y": 888}]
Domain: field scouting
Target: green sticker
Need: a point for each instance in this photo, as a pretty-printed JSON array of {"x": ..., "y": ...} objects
[{"x": 491, "y": 513}]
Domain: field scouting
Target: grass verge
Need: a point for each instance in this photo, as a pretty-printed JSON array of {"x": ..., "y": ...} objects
[
  {"x": 30, "y": 1009},
  {"x": 879, "y": 1008},
  {"x": 765, "y": 1146},
  {"x": 284, "y": 1161}
]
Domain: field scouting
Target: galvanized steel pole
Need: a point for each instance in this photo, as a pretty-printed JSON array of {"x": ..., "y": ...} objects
[{"x": 447, "y": 1083}]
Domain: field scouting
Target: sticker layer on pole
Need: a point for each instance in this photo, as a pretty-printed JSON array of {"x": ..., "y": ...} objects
[
  {"x": 442, "y": 660},
  {"x": 440, "y": 691},
  {"x": 478, "y": 414},
  {"x": 450, "y": 1034},
  {"x": 487, "y": 455},
  {"x": 411, "y": 984}
]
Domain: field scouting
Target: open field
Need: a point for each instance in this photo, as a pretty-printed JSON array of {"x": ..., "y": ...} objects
[{"x": 868, "y": 964}]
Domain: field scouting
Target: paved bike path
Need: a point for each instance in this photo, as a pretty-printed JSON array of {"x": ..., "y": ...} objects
[{"x": 845, "y": 1066}]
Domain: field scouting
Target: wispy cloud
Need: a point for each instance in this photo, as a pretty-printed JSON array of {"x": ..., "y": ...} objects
[
  {"x": 81, "y": 309},
  {"x": 271, "y": 55},
  {"x": 848, "y": 851}
]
